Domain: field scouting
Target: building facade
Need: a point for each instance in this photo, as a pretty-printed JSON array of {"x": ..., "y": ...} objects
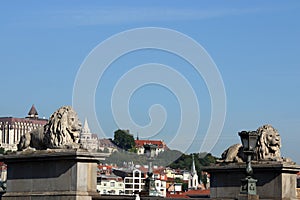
[
  {"x": 12, "y": 128},
  {"x": 140, "y": 146},
  {"x": 107, "y": 146},
  {"x": 110, "y": 185},
  {"x": 134, "y": 180},
  {"x": 88, "y": 140}
]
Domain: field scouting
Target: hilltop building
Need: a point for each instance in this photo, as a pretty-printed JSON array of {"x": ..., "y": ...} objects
[
  {"x": 140, "y": 146},
  {"x": 88, "y": 140},
  {"x": 12, "y": 128}
]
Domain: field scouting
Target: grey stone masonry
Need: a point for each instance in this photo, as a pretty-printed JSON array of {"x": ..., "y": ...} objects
[
  {"x": 54, "y": 174},
  {"x": 275, "y": 180}
]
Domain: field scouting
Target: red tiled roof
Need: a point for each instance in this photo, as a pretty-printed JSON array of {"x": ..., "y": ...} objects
[
  {"x": 181, "y": 196},
  {"x": 105, "y": 166},
  {"x": 158, "y": 143},
  {"x": 197, "y": 192}
]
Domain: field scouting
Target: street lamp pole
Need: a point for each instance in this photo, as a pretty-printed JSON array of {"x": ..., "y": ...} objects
[
  {"x": 249, "y": 141},
  {"x": 150, "y": 182}
]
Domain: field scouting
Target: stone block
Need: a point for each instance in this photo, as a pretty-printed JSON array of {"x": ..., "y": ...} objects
[
  {"x": 51, "y": 174},
  {"x": 275, "y": 180}
]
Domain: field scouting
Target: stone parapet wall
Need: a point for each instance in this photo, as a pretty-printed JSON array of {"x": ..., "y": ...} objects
[
  {"x": 56, "y": 174},
  {"x": 298, "y": 193},
  {"x": 275, "y": 180}
]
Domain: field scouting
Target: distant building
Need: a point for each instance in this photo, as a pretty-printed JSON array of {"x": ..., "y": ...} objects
[
  {"x": 107, "y": 145},
  {"x": 298, "y": 180},
  {"x": 12, "y": 128},
  {"x": 134, "y": 180},
  {"x": 193, "y": 180},
  {"x": 160, "y": 182},
  {"x": 175, "y": 188},
  {"x": 160, "y": 146},
  {"x": 110, "y": 185},
  {"x": 160, "y": 178},
  {"x": 88, "y": 140}
]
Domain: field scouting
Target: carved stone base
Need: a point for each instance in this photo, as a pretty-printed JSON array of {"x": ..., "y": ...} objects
[
  {"x": 248, "y": 197},
  {"x": 50, "y": 174},
  {"x": 275, "y": 180},
  {"x": 248, "y": 186}
]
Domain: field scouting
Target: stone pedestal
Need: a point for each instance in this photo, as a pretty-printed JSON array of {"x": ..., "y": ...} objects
[
  {"x": 51, "y": 175},
  {"x": 275, "y": 180}
]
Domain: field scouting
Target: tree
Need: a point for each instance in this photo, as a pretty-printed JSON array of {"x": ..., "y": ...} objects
[{"x": 124, "y": 140}]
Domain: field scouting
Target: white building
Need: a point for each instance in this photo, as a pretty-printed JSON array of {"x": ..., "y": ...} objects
[
  {"x": 161, "y": 187},
  {"x": 12, "y": 128},
  {"x": 110, "y": 185},
  {"x": 88, "y": 140},
  {"x": 160, "y": 146},
  {"x": 134, "y": 180}
]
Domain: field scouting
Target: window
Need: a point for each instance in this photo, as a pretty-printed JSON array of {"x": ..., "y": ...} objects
[
  {"x": 112, "y": 184},
  {"x": 104, "y": 184}
]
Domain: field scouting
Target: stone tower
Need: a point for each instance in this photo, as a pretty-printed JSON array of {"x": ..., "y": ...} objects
[{"x": 193, "y": 179}]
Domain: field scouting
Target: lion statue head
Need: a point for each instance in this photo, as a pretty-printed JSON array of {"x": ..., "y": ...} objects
[
  {"x": 63, "y": 128},
  {"x": 269, "y": 143}
]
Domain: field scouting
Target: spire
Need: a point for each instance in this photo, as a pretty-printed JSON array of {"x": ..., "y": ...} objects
[
  {"x": 86, "y": 128},
  {"x": 33, "y": 113},
  {"x": 193, "y": 169},
  {"x": 137, "y": 136}
]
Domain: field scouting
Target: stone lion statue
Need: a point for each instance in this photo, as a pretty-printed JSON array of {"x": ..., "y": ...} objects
[
  {"x": 269, "y": 143},
  {"x": 61, "y": 131},
  {"x": 268, "y": 147}
]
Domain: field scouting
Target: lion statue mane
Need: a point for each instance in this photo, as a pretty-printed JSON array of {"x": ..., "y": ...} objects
[
  {"x": 268, "y": 147},
  {"x": 61, "y": 131}
]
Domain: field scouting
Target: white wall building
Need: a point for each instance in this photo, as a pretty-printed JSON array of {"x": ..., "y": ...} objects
[
  {"x": 160, "y": 146},
  {"x": 12, "y": 128},
  {"x": 110, "y": 185},
  {"x": 161, "y": 187},
  {"x": 134, "y": 183},
  {"x": 88, "y": 140}
]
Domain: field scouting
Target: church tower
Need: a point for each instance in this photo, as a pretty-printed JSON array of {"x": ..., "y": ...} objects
[
  {"x": 193, "y": 179},
  {"x": 88, "y": 140},
  {"x": 33, "y": 114}
]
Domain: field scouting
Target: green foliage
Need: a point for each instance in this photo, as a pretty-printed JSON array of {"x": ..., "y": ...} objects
[
  {"x": 163, "y": 159},
  {"x": 119, "y": 157},
  {"x": 124, "y": 140},
  {"x": 2, "y": 150},
  {"x": 185, "y": 162},
  {"x": 185, "y": 187}
]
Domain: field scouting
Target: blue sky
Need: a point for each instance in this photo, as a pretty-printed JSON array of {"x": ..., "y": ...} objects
[{"x": 254, "y": 44}]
